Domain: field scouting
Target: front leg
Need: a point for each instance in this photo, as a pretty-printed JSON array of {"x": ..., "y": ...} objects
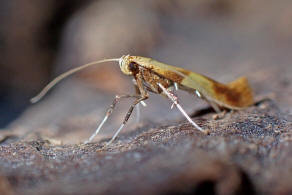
[
  {"x": 138, "y": 93},
  {"x": 141, "y": 92},
  {"x": 108, "y": 113},
  {"x": 143, "y": 96}
]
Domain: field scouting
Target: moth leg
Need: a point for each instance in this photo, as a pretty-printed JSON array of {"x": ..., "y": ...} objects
[
  {"x": 175, "y": 86},
  {"x": 108, "y": 113},
  {"x": 212, "y": 104},
  {"x": 174, "y": 99},
  {"x": 171, "y": 92},
  {"x": 219, "y": 115},
  {"x": 138, "y": 92},
  {"x": 215, "y": 107},
  {"x": 143, "y": 96},
  {"x": 138, "y": 111}
]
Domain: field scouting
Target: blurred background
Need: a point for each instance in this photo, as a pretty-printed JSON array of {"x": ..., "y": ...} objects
[{"x": 223, "y": 39}]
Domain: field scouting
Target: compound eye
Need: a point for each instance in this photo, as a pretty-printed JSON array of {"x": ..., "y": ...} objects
[{"x": 133, "y": 67}]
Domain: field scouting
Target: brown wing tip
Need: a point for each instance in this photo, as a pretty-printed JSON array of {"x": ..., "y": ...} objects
[{"x": 242, "y": 87}]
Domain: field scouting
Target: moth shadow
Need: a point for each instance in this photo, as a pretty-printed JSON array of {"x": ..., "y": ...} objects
[
  {"x": 208, "y": 110},
  {"x": 202, "y": 112}
]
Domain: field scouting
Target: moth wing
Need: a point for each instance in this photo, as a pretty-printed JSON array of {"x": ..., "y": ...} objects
[{"x": 235, "y": 95}]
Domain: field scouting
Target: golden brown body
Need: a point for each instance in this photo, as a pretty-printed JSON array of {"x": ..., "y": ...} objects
[{"x": 234, "y": 95}]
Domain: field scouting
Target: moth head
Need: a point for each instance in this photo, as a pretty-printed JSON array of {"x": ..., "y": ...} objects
[{"x": 127, "y": 66}]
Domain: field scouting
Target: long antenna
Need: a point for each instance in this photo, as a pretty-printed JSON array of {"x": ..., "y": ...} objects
[{"x": 66, "y": 74}]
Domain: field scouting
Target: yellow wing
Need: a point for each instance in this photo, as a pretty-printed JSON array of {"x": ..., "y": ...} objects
[{"x": 234, "y": 95}]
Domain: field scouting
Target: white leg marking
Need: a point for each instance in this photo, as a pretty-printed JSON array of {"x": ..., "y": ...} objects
[
  {"x": 174, "y": 100},
  {"x": 97, "y": 130},
  {"x": 143, "y": 103},
  {"x": 172, "y": 105},
  {"x": 198, "y": 94},
  {"x": 116, "y": 134},
  {"x": 176, "y": 86}
]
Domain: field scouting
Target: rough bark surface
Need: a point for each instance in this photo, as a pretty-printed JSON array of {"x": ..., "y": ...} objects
[{"x": 245, "y": 152}]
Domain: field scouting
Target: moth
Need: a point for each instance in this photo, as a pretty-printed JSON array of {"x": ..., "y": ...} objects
[{"x": 152, "y": 76}]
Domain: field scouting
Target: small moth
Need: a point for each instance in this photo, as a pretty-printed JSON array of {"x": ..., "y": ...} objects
[{"x": 156, "y": 77}]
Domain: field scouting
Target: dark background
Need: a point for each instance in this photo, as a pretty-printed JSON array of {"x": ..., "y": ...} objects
[
  {"x": 248, "y": 151},
  {"x": 41, "y": 39}
]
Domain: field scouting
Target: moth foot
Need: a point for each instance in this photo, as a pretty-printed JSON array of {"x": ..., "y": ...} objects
[
  {"x": 220, "y": 115},
  {"x": 206, "y": 132}
]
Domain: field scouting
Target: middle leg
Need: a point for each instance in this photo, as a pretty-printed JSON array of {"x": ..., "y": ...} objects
[{"x": 174, "y": 99}]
